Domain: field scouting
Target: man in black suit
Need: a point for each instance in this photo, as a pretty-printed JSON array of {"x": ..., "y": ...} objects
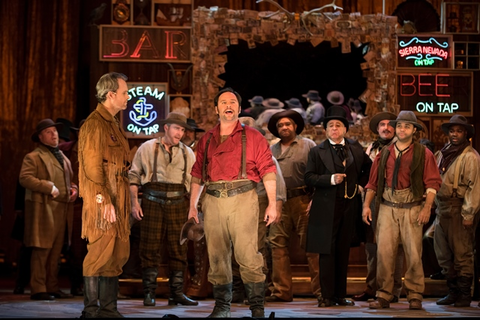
[{"x": 337, "y": 168}]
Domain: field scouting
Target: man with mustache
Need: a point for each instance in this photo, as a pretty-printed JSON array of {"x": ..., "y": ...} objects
[
  {"x": 403, "y": 180},
  {"x": 231, "y": 160},
  {"x": 161, "y": 167},
  {"x": 380, "y": 125},
  {"x": 291, "y": 153},
  {"x": 457, "y": 206}
]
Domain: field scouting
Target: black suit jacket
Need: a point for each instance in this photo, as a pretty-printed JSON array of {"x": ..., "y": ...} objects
[{"x": 320, "y": 167}]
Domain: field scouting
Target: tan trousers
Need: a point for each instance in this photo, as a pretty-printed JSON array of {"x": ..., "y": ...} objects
[
  {"x": 294, "y": 219},
  {"x": 44, "y": 261},
  {"x": 106, "y": 256},
  {"x": 397, "y": 225},
  {"x": 232, "y": 221}
]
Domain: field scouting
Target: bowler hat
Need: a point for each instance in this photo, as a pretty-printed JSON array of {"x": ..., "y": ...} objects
[
  {"x": 336, "y": 113},
  {"x": 256, "y": 100},
  {"x": 335, "y": 97},
  {"x": 294, "y": 103},
  {"x": 192, "y": 230},
  {"x": 44, "y": 124},
  {"x": 272, "y": 103},
  {"x": 176, "y": 118},
  {"x": 459, "y": 120},
  {"x": 312, "y": 95},
  {"x": 379, "y": 117},
  {"x": 292, "y": 114},
  {"x": 191, "y": 122},
  {"x": 407, "y": 116}
]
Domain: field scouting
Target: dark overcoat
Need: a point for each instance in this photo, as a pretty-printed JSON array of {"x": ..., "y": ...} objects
[{"x": 318, "y": 174}]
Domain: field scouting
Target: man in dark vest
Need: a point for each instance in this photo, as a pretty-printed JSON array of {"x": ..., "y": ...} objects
[{"x": 400, "y": 177}]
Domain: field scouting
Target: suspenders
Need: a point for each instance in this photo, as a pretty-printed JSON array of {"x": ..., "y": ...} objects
[{"x": 243, "y": 171}]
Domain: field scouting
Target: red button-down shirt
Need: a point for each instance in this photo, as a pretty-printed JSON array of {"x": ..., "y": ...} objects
[
  {"x": 431, "y": 177},
  {"x": 224, "y": 158}
]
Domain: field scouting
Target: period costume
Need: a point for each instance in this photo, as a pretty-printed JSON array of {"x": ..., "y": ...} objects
[
  {"x": 457, "y": 200},
  {"x": 103, "y": 154},
  {"x": 334, "y": 208}
]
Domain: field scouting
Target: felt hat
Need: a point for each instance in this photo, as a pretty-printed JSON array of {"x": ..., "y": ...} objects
[
  {"x": 312, "y": 95},
  {"x": 176, "y": 118},
  {"x": 256, "y": 100},
  {"x": 294, "y": 103},
  {"x": 44, "y": 124},
  {"x": 407, "y": 116},
  {"x": 379, "y": 117},
  {"x": 336, "y": 113},
  {"x": 191, "y": 122},
  {"x": 292, "y": 114},
  {"x": 272, "y": 103},
  {"x": 459, "y": 120},
  {"x": 335, "y": 97},
  {"x": 192, "y": 230},
  {"x": 64, "y": 132}
]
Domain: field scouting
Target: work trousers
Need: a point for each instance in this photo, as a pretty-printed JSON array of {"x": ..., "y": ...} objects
[
  {"x": 454, "y": 245},
  {"x": 395, "y": 226},
  {"x": 232, "y": 221}
]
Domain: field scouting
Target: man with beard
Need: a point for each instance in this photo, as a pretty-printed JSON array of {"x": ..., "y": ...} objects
[
  {"x": 46, "y": 175},
  {"x": 231, "y": 160},
  {"x": 457, "y": 203},
  {"x": 400, "y": 177},
  {"x": 162, "y": 166},
  {"x": 380, "y": 125},
  {"x": 291, "y": 153}
]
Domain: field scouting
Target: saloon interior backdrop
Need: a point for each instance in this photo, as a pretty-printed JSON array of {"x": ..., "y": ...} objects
[{"x": 50, "y": 64}]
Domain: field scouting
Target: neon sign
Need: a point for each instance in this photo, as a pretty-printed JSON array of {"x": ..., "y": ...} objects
[
  {"x": 145, "y": 44},
  {"x": 146, "y": 106},
  {"x": 435, "y": 93},
  {"x": 424, "y": 51}
]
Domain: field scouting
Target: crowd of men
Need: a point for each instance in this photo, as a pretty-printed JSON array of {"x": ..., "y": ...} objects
[{"x": 241, "y": 199}]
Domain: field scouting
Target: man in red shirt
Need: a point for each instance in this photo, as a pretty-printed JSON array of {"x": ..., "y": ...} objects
[
  {"x": 400, "y": 177},
  {"x": 231, "y": 159}
]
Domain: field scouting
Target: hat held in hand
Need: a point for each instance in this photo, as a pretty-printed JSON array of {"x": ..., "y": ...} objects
[{"x": 192, "y": 230}]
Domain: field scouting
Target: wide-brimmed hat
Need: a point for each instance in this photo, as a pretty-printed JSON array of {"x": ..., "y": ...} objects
[
  {"x": 312, "y": 95},
  {"x": 335, "y": 97},
  {"x": 44, "y": 124},
  {"x": 379, "y": 117},
  {"x": 76, "y": 129},
  {"x": 256, "y": 100},
  {"x": 294, "y": 103},
  {"x": 292, "y": 114},
  {"x": 64, "y": 132},
  {"x": 407, "y": 116},
  {"x": 191, "y": 122},
  {"x": 176, "y": 118},
  {"x": 272, "y": 103},
  {"x": 459, "y": 120},
  {"x": 336, "y": 113},
  {"x": 192, "y": 230}
]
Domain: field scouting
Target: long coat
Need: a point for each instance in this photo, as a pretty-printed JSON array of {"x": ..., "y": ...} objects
[
  {"x": 320, "y": 167},
  {"x": 36, "y": 176}
]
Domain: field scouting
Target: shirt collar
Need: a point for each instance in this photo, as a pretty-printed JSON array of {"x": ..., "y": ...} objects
[{"x": 341, "y": 142}]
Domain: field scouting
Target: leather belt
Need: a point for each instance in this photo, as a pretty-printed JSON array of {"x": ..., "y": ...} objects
[
  {"x": 229, "y": 189},
  {"x": 292, "y": 193},
  {"x": 402, "y": 205},
  {"x": 162, "y": 200},
  {"x": 163, "y": 194}
]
